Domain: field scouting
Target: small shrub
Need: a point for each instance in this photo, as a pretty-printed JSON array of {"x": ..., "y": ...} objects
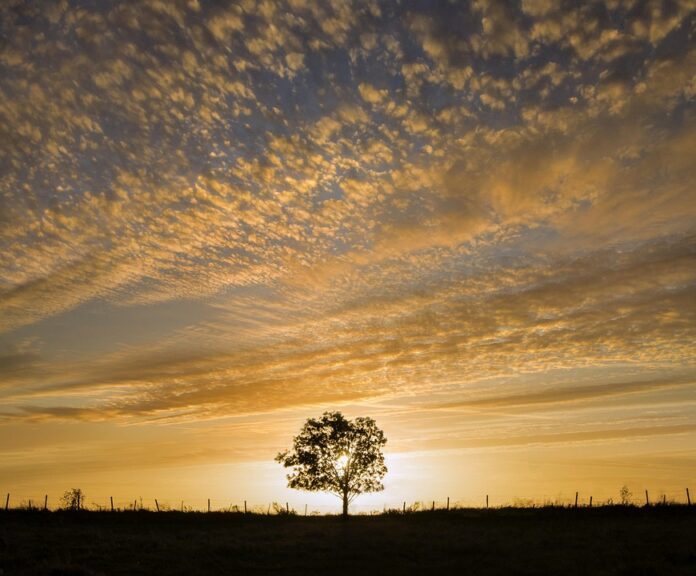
[
  {"x": 73, "y": 499},
  {"x": 280, "y": 510}
]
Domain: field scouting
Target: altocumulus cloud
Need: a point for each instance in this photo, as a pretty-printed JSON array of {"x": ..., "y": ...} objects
[{"x": 369, "y": 199}]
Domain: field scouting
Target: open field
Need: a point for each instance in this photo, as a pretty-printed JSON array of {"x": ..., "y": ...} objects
[{"x": 656, "y": 540}]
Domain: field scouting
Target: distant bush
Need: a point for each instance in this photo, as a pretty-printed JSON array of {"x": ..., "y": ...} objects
[
  {"x": 73, "y": 499},
  {"x": 281, "y": 510},
  {"x": 625, "y": 495}
]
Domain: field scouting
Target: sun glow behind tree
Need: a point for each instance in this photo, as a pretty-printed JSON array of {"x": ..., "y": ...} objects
[{"x": 336, "y": 455}]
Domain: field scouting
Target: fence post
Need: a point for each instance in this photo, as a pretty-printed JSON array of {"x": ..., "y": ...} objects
[
  {"x": 590, "y": 501},
  {"x": 688, "y": 498},
  {"x": 245, "y": 507},
  {"x": 111, "y": 499},
  {"x": 268, "y": 512},
  {"x": 647, "y": 500},
  {"x": 664, "y": 499},
  {"x": 486, "y": 501},
  {"x": 156, "y": 504},
  {"x": 433, "y": 508},
  {"x": 135, "y": 505},
  {"x": 305, "y": 509},
  {"x": 7, "y": 501},
  {"x": 208, "y": 504},
  {"x": 45, "y": 502},
  {"x": 447, "y": 502},
  {"x": 78, "y": 501},
  {"x": 287, "y": 508},
  {"x": 576, "y": 499},
  {"x": 404, "y": 507}
]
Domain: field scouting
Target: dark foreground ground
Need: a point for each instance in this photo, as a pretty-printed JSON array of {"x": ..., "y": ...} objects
[{"x": 618, "y": 540}]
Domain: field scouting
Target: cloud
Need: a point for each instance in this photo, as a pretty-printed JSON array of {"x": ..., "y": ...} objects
[
  {"x": 569, "y": 438},
  {"x": 573, "y": 394},
  {"x": 502, "y": 33},
  {"x": 20, "y": 364},
  {"x": 354, "y": 346},
  {"x": 371, "y": 94},
  {"x": 376, "y": 199}
]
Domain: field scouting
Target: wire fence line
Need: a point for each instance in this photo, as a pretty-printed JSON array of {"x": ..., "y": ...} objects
[{"x": 578, "y": 500}]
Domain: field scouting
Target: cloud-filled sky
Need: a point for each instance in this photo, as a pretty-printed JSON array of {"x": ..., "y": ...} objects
[{"x": 474, "y": 221}]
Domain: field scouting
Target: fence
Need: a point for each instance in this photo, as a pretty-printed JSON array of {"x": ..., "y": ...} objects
[{"x": 244, "y": 507}]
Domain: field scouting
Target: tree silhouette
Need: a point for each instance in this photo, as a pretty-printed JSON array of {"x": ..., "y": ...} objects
[
  {"x": 336, "y": 455},
  {"x": 73, "y": 499}
]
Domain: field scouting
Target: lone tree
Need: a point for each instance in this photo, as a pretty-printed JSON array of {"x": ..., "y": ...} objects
[{"x": 336, "y": 455}]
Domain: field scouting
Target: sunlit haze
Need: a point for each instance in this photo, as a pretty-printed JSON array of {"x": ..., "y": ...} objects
[{"x": 474, "y": 222}]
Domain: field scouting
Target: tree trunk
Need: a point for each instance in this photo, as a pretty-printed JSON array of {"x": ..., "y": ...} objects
[{"x": 345, "y": 505}]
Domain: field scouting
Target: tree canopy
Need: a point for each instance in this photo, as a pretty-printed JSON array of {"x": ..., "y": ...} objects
[{"x": 337, "y": 455}]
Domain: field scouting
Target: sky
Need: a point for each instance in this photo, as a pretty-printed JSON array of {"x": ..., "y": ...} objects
[{"x": 474, "y": 222}]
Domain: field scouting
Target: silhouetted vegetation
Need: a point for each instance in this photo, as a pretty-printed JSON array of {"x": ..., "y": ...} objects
[
  {"x": 337, "y": 455},
  {"x": 616, "y": 540},
  {"x": 73, "y": 499}
]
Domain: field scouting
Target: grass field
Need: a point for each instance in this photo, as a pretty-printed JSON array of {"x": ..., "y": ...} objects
[{"x": 657, "y": 540}]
